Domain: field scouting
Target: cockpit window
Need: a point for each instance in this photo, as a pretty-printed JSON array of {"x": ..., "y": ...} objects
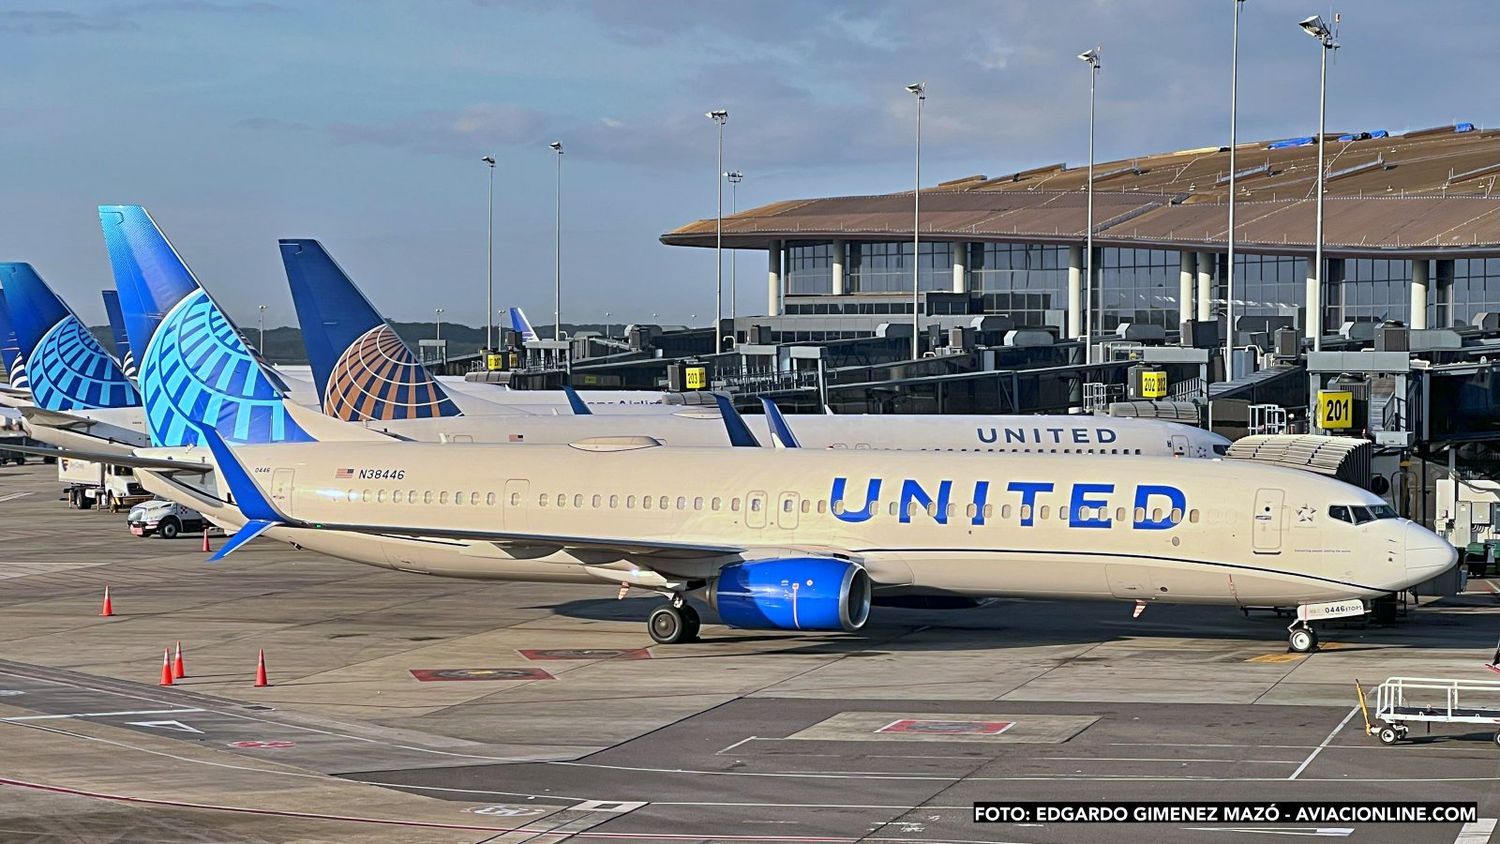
[
  {"x": 1221, "y": 449},
  {"x": 1358, "y": 514}
]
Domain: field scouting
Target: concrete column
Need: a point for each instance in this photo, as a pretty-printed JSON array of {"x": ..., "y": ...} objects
[
  {"x": 773, "y": 280},
  {"x": 960, "y": 267},
  {"x": 1419, "y": 293},
  {"x": 1075, "y": 292},
  {"x": 1187, "y": 270},
  {"x": 836, "y": 267},
  {"x": 1206, "y": 285}
]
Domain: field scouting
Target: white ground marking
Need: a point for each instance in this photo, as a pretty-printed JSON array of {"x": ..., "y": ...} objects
[
  {"x": 98, "y": 714},
  {"x": 1308, "y": 831},
  {"x": 1476, "y": 832},
  {"x": 1319, "y": 749},
  {"x": 12, "y": 496}
]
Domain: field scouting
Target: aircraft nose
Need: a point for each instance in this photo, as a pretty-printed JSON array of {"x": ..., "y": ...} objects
[{"x": 1427, "y": 554}]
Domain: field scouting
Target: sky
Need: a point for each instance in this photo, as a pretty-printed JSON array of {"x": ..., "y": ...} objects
[{"x": 362, "y": 123}]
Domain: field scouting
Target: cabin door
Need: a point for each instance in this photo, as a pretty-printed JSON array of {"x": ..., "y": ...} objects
[
  {"x": 1180, "y": 445},
  {"x": 281, "y": 490},
  {"x": 755, "y": 509},
  {"x": 513, "y": 507},
  {"x": 1269, "y": 521},
  {"x": 786, "y": 510}
]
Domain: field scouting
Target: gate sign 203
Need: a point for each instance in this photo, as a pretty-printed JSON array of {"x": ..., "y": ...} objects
[{"x": 1335, "y": 409}]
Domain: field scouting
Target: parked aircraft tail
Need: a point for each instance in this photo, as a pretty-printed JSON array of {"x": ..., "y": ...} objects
[
  {"x": 10, "y": 351},
  {"x": 521, "y": 325},
  {"x": 117, "y": 331},
  {"x": 65, "y": 367},
  {"x": 192, "y": 362},
  {"x": 364, "y": 371}
]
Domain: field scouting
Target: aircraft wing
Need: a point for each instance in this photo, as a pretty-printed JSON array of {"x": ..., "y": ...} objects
[
  {"x": 113, "y": 458},
  {"x": 542, "y": 543}
]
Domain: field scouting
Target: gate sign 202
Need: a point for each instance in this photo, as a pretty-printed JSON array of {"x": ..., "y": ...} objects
[{"x": 1335, "y": 409}]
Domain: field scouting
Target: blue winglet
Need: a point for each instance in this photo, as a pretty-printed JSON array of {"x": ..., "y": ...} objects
[
  {"x": 252, "y": 529},
  {"x": 247, "y": 495},
  {"x": 781, "y": 432},
  {"x": 739, "y": 433},
  {"x": 579, "y": 408}
]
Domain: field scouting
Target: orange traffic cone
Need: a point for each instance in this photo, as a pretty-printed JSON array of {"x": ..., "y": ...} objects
[
  {"x": 166, "y": 667},
  {"x": 108, "y": 609},
  {"x": 179, "y": 669},
  {"x": 260, "y": 670},
  {"x": 206, "y": 549}
]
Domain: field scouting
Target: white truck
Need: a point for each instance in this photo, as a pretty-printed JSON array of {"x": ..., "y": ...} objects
[
  {"x": 89, "y": 484},
  {"x": 166, "y": 519}
]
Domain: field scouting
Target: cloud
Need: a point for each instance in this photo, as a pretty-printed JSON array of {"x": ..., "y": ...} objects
[{"x": 448, "y": 131}]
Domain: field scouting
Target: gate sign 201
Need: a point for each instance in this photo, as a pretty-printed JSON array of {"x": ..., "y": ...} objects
[{"x": 1335, "y": 409}]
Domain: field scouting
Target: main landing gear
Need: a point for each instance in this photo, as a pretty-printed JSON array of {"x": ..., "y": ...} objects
[
  {"x": 676, "y": 622},
  {"x": 1301, "y": 638}
]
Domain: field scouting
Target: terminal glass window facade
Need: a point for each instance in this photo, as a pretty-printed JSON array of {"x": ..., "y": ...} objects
[
  {"x": 1024, "y": 281},
  {"x": 1269, "y": 286},
  {"x": 1371, "y": 289},
  {"x": 1475, "y": 290},
  {"x": 1137, "y": 286},
  {"x": 886, "y": 267},
  {"x": 809, "y": 268}
]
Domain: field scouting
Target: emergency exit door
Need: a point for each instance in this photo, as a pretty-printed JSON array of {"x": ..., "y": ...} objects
[
  {"x": 1269, "y": 521},
  {"x": 281, "y": 490},
  {"x": 513, "y": 507},
  {"x": 787, "y": 510}
]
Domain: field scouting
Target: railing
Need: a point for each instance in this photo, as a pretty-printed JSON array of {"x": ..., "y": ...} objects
[
  {"x": 1267, "y": 419},
  {"x": 1390, "y": 697},
  {"x": 755, "y": 383}
]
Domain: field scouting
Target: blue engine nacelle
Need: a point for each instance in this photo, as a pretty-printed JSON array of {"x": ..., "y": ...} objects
[{"x": 802, "y": 593}]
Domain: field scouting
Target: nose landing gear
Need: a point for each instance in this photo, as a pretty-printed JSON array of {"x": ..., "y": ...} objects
[{"x": 1301, "y": 638}]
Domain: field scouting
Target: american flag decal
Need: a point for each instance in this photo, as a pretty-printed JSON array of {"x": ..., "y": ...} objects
[
  {"x": 343, "y": 474},
  {"x": 515, "y": 438}
]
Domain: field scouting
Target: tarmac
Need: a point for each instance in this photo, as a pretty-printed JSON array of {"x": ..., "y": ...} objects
[{"x": 403, "y": 708}]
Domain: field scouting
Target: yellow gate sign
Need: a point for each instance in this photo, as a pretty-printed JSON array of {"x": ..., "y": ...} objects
[
  {"x": 1335, "y": 409},
  {"x": 494, "y": 362},
  {"x": 1153, "y": 385},
  {"x": 696, "y": 377}
]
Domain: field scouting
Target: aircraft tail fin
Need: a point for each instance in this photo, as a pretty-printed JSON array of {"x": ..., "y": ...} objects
[
  {"x": 260, "y": 514},
  {"x": 117, "y": 331},
  {"x": 10, "y": 350},
  {"x": 740, "y": 435},
  {"x": 192, "y": 362},
  {"x": 363, "y": 369},
  {"x": 781, "y": 432},
  {"x": 66, "y": 368},
  {"x": 521, "y": 325},
  {"x": 580, "y": 408}
]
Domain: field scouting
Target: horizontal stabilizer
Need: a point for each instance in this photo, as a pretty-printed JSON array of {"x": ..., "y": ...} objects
[
  {"x": 115, "y": 459},
  {"x": 252, "y": 529}
]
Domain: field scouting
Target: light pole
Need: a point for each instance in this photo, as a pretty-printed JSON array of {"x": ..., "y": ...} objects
[
  {"x": 719, "y": 116},
  {"x": 261, "y": 345},
  {"x": 607, "y": 315},
  {"x": 439, "y": 337},
  {"x": 734, "y": 177},
  {"x": 489, "y": 264},
  {"x": 918, "y": 90},
  {"x": 1090, "y": 57},
  {"x": 1318, "y": 28},
  {"x": 1234, "y": 89},
  {"x": 557, "y": 326}
]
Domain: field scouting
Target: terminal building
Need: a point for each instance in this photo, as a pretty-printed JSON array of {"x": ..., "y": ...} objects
[{"x": 1412, "y": 235}]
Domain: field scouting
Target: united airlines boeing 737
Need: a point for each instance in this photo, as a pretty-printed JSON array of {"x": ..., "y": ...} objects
[{"x": 800, "y": 540}]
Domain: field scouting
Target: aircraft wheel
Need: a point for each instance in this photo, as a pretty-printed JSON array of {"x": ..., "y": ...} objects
[
  {"x": 1388, "y": 735},
  {"x": 691, "y": 623},
  {"x": 1302, "y": 640},
  {"x": 668, "y": 625}
]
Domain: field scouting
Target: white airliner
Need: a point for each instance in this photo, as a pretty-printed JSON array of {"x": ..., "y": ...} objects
[{"x": 801, "y": 539}]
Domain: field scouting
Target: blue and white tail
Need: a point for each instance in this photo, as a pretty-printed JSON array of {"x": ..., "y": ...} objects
[
  {"x": 117, "y": 331},
  {"x": 363, "y": 369},
  {"x": 521, "y": 325},
  {"x": 65, "y": 367},
  {"x": 10, "y": 351},
  {"x": 193, "y": 364}
]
